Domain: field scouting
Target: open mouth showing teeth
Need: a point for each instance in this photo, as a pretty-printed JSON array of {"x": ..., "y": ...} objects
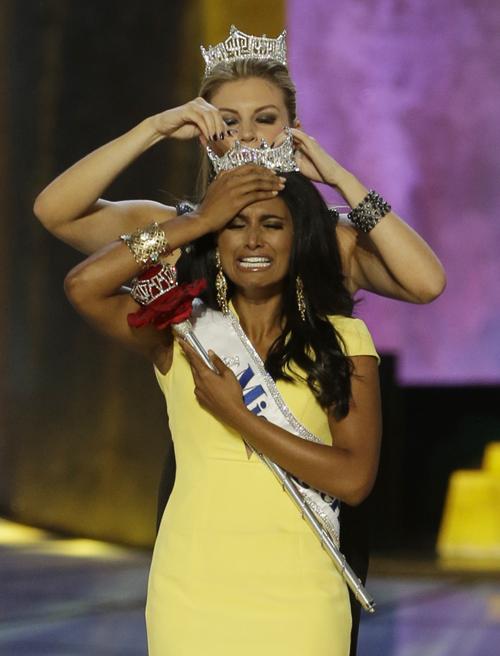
[{"x": 254, "y": 262}]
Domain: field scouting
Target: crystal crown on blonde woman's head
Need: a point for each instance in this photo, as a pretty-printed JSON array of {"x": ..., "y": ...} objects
[{"x": 239, "y": 45}]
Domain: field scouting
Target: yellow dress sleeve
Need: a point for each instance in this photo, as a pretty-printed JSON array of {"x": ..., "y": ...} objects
[{"x": 355, "y": 335}]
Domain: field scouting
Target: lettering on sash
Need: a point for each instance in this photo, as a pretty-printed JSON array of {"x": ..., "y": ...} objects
[
  {"x": 331, "y": 501},
  {"x": 252, "y": 394}
]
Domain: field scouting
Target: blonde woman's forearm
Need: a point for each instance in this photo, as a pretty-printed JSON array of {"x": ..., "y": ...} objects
[{"x": 74, "y": 193}]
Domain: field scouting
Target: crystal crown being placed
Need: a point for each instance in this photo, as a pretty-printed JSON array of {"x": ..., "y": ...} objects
[
  {"x": 239, "y": 45},
  {"x": 280, "y": 158}
]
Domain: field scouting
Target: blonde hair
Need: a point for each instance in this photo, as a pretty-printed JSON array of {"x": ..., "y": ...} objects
[{"x": 268, "y": 70}]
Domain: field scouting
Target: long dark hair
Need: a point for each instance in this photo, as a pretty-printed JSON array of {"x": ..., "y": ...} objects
[{"x": 313, "y": 344}]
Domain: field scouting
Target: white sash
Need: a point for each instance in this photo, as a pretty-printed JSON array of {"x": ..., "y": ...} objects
[{"x": 224, "y": 335}]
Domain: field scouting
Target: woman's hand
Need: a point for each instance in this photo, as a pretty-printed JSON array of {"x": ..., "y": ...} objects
[
  {"x": 233, "y": 190},
  {"x": 219, "y": 393},
  {"x": 313, "y": 162},
  {"x": 197, "y": 118}
]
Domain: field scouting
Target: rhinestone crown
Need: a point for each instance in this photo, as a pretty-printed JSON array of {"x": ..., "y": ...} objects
[
  {"x": 153, "y": 283},
  {"x": 280, "y": 158},
  {"x": 239, "y": 45}
]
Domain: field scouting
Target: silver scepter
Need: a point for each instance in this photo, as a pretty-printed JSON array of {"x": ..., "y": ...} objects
[{"x": 185, "y": 331}]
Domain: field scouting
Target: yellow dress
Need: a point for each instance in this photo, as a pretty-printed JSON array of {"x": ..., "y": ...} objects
[{"x": 236, "y": 571}]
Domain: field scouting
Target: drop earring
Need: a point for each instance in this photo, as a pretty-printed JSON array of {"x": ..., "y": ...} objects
[
  {"x": 301, "y": 300},
  {"x": 221, "y": 285}
]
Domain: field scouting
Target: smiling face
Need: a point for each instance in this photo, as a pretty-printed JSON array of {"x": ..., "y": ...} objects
[
  {"x": 255, "y": 248},
  {"x": 254, "y": 108}
]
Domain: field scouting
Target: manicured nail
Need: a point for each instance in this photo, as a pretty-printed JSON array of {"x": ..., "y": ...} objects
[
  {"x": 282, "y": 179},
  {"x": 221, "y": 136}
]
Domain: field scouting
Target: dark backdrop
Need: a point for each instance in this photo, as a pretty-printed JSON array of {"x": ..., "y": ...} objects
[{"x": 83, "y": 425}]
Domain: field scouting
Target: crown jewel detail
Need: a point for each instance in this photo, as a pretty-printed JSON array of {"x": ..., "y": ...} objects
[
  {"x": 153, "y": 283},
  {"x": 239, "y": 45},
  {"x": 280, "y": 158}
]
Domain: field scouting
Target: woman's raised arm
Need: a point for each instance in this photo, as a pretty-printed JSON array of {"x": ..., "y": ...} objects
[
  {"x": 392, "y": 259},
  {"x": 93, "y": 286},
  {"x": 71, "y": 207}
]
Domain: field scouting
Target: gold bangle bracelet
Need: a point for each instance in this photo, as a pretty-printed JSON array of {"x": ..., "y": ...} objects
[{"x": 147, "y": 244}]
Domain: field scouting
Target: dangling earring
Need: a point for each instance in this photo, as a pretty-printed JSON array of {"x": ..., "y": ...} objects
[
  {"x": 221, "y": 285},
  {"x": 301, "y": 299}
]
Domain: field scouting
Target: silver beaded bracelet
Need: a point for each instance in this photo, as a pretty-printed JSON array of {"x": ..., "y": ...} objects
[
  {"x": 334, "y": 213},
  {"x": 369, "y": 211}
]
